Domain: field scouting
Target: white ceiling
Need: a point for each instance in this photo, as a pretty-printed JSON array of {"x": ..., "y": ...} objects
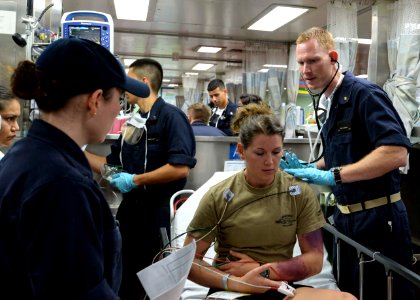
[{"x": 174, "y": 29}]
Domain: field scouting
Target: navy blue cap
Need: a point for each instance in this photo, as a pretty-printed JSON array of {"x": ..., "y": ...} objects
[{"x": 81, "y": 66}]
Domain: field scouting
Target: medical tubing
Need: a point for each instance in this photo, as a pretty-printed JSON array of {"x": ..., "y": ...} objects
[
  {"x": 218, "y": 261},
  {"x": 217, "y": 224},
  {"x": 245, "y": 204},
  {"x": 240, "y": 207},
  {"x": 311, "y": 146},
  {"x": 223, "y": 213},
  {"x": 315, "y": 104},
  {"x": 233, "y": 279},
  {"x": 328, "y": 85},
  {"x": 44, "y": 11},
  {"x": 181, "y": 234}
]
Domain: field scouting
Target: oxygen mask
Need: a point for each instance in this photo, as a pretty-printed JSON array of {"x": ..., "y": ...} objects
[{"x": 134, "y": 128}]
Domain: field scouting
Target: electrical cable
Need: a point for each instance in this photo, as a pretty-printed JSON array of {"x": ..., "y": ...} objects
[
  {"x": 265, "y": 196},
  {"x": 217, "y": 224},
  {"x": 180, "y": 235},
  {"x": 44, "y": 11},
  {"x": 293, "y": 191},
  {"x": 233, "y": 279},
  {"x": 221, "y": 218}
]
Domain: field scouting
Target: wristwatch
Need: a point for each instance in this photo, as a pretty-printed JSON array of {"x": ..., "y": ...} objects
[{"x": 336, "y": 173}]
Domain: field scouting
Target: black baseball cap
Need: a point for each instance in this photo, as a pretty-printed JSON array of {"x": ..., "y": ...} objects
[{"x": 81, "y": 66}]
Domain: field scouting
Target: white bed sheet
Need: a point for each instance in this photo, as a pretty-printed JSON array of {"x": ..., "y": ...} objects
[{"x": 325, "y": 279}]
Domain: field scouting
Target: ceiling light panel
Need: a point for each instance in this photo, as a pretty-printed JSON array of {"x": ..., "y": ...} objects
[
  {"x": 208, "y": 49},
  {"x": 275, "y": 66},
  {"x": 202, "y": 67},
  {"x": 277, "y": 17}
]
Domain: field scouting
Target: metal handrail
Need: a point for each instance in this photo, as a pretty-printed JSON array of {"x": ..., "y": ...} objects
[{"x": 389, "y": 264}]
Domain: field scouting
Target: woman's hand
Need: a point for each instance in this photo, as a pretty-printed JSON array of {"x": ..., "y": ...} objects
[
  {"x": 239, "y": 267},
  {"x": 252, "y": 282}
]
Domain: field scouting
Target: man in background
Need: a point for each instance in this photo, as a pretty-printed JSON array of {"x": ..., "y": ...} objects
[
  {"x": 155, "y": 167},
  {"x": 199, "y": 116},
  {"x": 224, "y": 110}
]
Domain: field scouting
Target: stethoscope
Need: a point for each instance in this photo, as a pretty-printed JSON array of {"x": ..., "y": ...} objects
[{"x": 315, "y": 104}]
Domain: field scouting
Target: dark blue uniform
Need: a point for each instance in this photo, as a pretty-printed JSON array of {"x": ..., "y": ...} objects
[
  {"x": 224, "y": 121},
  {"x": 361, "y": 119},
  {"x": 145, "y": 209},
  {"x": 58, "y": 238},
  {"x": 201, "y": 129}
]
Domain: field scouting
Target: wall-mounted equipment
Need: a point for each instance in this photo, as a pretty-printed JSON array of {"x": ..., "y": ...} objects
[
  {"x": 31, "y": 23},
  {"x": 91, "y": 25}
]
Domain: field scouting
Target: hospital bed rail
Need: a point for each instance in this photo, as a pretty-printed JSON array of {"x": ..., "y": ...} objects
[{"x": 389, "y": 264}]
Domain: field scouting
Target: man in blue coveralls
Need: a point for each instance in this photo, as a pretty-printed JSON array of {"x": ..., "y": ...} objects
[
  {"x": 364, "y": 145},
  {"x": 155, "y": 168}
]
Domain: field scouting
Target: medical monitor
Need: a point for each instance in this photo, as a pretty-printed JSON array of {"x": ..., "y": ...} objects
[
  {"x": 95, "y": 26},
  {"x": 89, "y": 32}
]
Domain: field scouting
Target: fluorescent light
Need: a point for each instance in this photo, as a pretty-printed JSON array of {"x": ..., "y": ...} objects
[
  {"x": 275, "y": 66},
  {"x": 191, "y": 73},
  {"x": 131, "y": 9},
  {"x": 263, "y": 70},
  {"x": 166, "y": 80},
  {"x": 277, "y": 17},
  {"x": 209, "y": 49},
  {"x": 202, "y": 67},
  {"x": 173, "y": 85},
  {"x": 364, "y": 41}
]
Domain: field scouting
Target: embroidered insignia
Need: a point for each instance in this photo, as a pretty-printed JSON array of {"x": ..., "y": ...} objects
[{"x": 286, "y": 220}]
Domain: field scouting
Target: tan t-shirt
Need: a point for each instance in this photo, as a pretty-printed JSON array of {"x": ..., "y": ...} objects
[{"x": 260, "y": 222}]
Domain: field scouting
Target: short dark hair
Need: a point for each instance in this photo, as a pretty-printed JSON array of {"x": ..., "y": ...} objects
[
  {"x": 216, "y": 83},
  {"x": 150, "y": 68},
  {"x": 250, "y": 98}
]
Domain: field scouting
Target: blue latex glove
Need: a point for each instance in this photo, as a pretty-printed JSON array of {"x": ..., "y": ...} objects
[
  {"x": 313, "y": 175},
  {"x": 292, "y": 162},
  {"x": 123, "y": 181}
]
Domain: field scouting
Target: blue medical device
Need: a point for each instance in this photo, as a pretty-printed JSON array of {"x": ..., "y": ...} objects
[{"x": 91, "y": 25}]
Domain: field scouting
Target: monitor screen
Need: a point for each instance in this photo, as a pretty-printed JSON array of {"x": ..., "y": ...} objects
[{"x": 92, "y": 33}]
